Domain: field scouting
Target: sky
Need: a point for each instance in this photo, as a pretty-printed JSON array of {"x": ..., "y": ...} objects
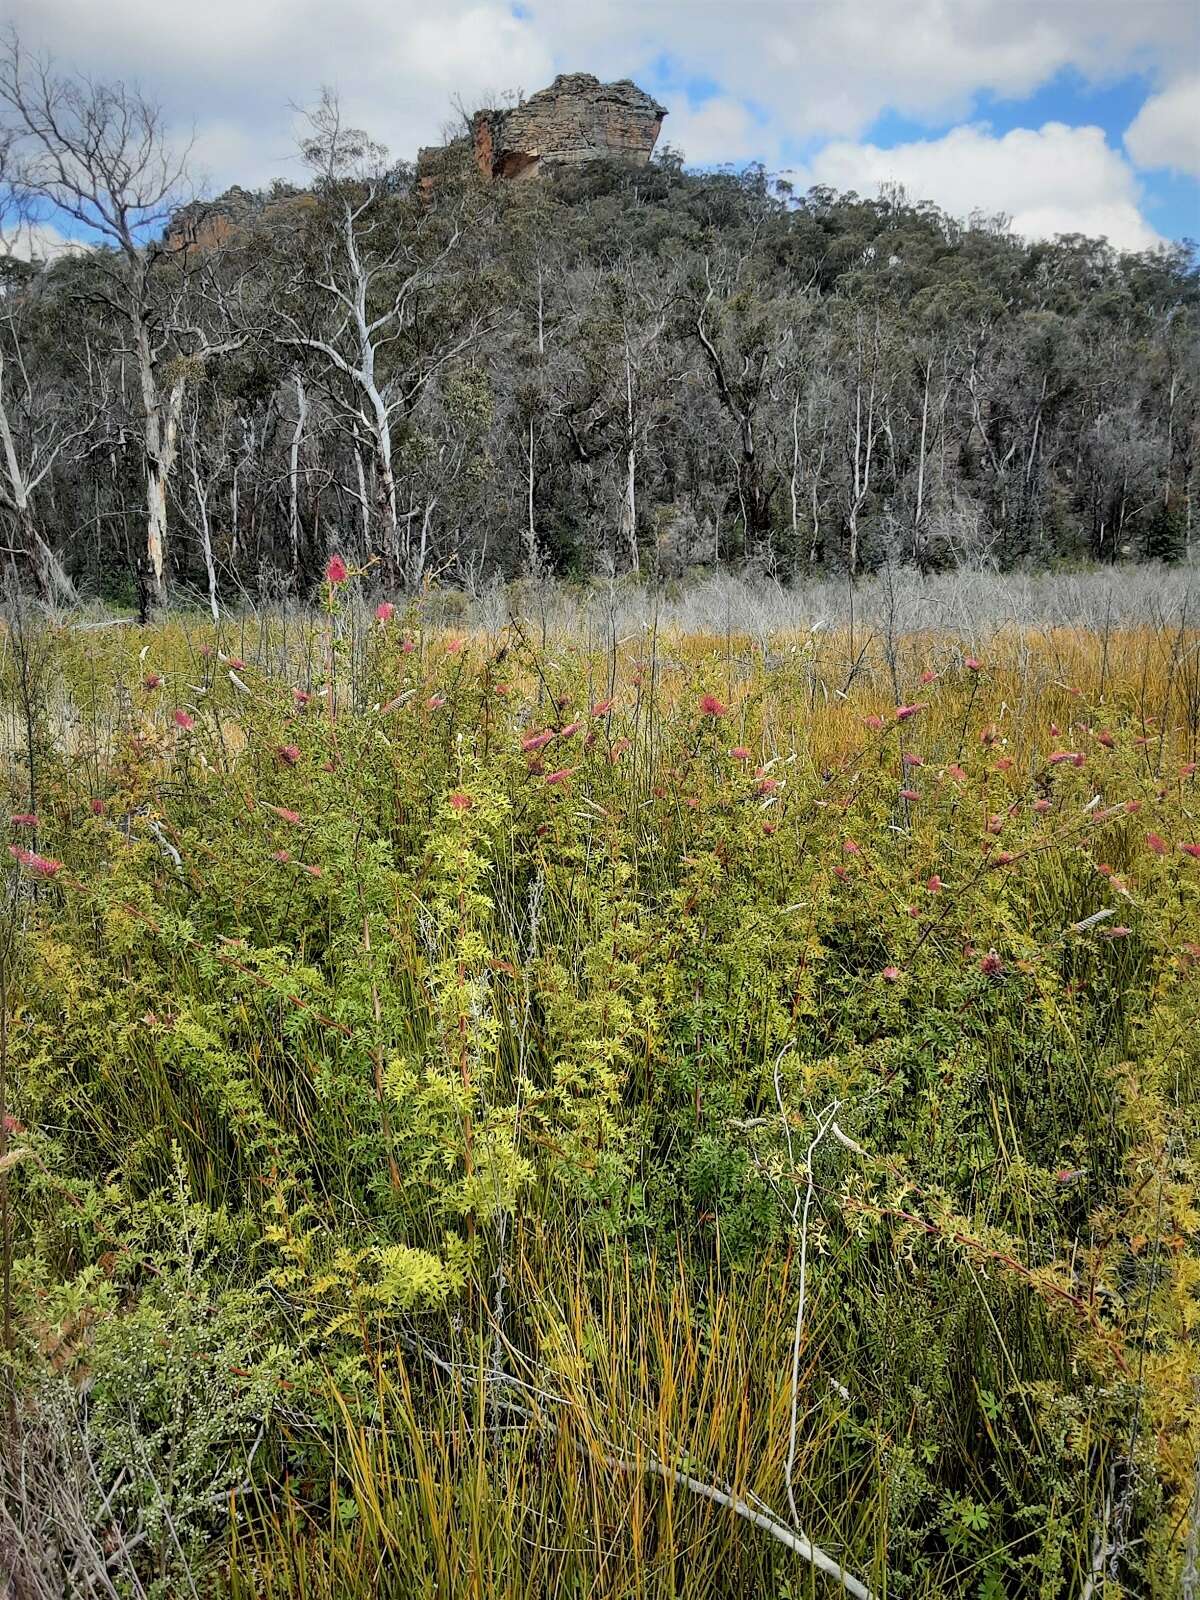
[{"x": 1067, "y": 115}]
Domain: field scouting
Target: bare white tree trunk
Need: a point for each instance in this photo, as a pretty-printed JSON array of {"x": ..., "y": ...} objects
[{"x": 294, "y": 472}]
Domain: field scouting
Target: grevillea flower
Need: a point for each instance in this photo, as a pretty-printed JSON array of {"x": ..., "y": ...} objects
[
  {"x": 454, "y": 646},
  {"x": 407, "y": 647},
  {"x": 1157, "y": 843},
  {"x": 930, "y": 676},
  {"x": 285, "y": 815},
  {"x": 301, "y": 697},
  {"x": 152, "y": 680},
  {"x": 24, "y": 819},
  {"x": 336, "y": 571},
  {"x": 1003, "y": 763},
  {"x": 873, "y": 722},
  {"x": 461, "y": 801},
  {"x": 537, "y": 741},
  {"x": 767, "y": 785},
  {"x": 289, "y": 754},
  {"x": 711, "y": 706},
  {"x": 910, "y": 794},
  {"x": 1073, "y": 756},
  {"x": 602, "y": 708},
  {"x": 501, "y": 689},
  {"x": 282, "y": 856},
  {"x": 840, "y": 872},
  {"x": 1106, "y": 739},
  {"x": 1133, "y": 805},
  {"x": 384, "y": 611},
  {"x": 740, "y": 753},
  {"x": 911, "y": 760},
  {"x": 313, "y": 872},
  {"x": 1042, "y": 805},
  {"x": 1003, "y": 858},
  {"x": 1187, "y": 769},
  {"x": 560, "y": 776},
  {"x": 206, "y": 651},
  {"x": 890, "y": 974},
  {"x": 40, "y": 866},
  {"x": 956, "y": 772},
  {"x": 903, "y": 713},
  {"x": 973, "y": 664},
  {"x": 1114, "y": 933},
  {"x": 435, "y": 702},
  {"x": 1192, "y": 850},
  {"x": 850, "y": 848},
  {"x": 994, "y": 823},
  {"x": 571, "y": 729},
  {"x": 97, "y": 808},
  {"x": 769, "y": 828},
  {"x": 183, "y": 720},
  {"x": 991, "y": 965},
  {"x": 934, "y": 884}
]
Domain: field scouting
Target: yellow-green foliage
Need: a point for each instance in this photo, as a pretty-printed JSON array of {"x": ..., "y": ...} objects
[{"x": 422, "y": 1009}]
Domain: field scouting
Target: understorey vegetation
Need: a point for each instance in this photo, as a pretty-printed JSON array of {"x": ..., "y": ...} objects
[{"x": 513, "y": 1113}]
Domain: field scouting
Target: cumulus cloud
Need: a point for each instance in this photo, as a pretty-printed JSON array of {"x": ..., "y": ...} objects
[
  {"x": 1049, "y": 180},
  {"x": 1166, "y": 131}
]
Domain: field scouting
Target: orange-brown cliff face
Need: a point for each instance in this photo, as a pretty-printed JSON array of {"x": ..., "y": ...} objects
[{"x": 577, "y": 119}]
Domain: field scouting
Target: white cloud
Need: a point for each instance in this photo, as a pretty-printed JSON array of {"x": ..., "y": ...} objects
[
  {"x": 719, "y": 130},
  {"x": 1052, "y": 179},
  {"x": 38, "y": 241},
  {"x": 1166, "y": 131}
]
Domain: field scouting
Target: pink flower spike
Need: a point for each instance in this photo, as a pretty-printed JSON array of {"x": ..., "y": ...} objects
[
  {"x": 285, "y": 815},
  {"x": 384, "y": 611},
  {"x": 560, "y": 776},
  {"x": 336, "y": 571},
  {"x": 40, "y": 866},
  {"x": 571, "y": 729},
  {"x": 1157, "y": 843},
  {"x": 740, "y": 753},
  {"x": 454, "y": 647},
  {"x": 911, "y": 760},
  {"x": 910, "y": 794},
  {"x": 435, "y": 702},
  {"x": 152, "y": 680},
  {"x": 301, "y": 697},
  {"x": 289, "y": 754},
  {"x": 874, "y": 723},
  {"x": 1042, "y": 805},
  {"x": 183, "y": 720},
  {"x": 850, "y": 848},
  {"x": 602, "y": 708},
  {"x": 903, "y": 713},
  {"x": 407, "y": 647},
  {"x": 711, "y": 706},
  {"x": 973, "y": 664},
  {"x": 537, "y": 741},
  {"x": 24, "y": 819},
  {"x": 991, "y": 965},
  {"x": 934, "y": 884},
  {"x": 930, "y": 676},
  {"x": 890, "y": 974},
  {"x": 1192, "y": 850}
]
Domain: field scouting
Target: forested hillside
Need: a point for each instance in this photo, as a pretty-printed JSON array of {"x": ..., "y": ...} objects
[{"x": 644, "y": 370}]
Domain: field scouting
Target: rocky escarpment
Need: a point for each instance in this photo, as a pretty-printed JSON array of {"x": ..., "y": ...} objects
[{"x": 576, "y": 120}]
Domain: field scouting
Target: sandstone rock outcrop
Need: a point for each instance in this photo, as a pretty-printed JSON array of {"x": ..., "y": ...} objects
[{"x": 576, "y": 120}]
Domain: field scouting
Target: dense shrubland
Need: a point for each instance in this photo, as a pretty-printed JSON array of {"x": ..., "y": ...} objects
[
  {"x": 648, "y": 370},
  {"x": 471, "y": 1097}
]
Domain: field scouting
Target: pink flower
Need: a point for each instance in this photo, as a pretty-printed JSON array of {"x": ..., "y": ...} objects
[
  {"x": 1187, "y": 769},
  {"x": 911, "y": 760},
  {"x": 282, "y": 856},
  {"x": 1003, "y": 858},
  {"x": 435, "y": 702},
  {"x": 285, "y": 815},
  {"x": 24, "y": 819},
  {"x": 461, "y": 801},
  {"x": 1042, "y": 805},
  {"x": 973, "y": 664},
  {"x": 183, "y": 720},
  {"x": 1114, "y": 933},
  {"x": 289, "y": 754},
  {"x": 97, "y": 808},
  {"x": 930, "y": 676},
  {"x": 384, "y": 611},
  {"x": 767, "y": 785},
  {"x": 1003, "y": 763},
  {"x": 336, "y": 571},
  {"x": 602, "y": 708},
  {"x": 903, "y": 713},
  {"x": 1133, "y": 805},
  {"x": 619, "y": 749},
  {"x": 991, "y": 965},
  {"x": 910, "y": 794},
  {"x": 152, "y": 680},
  {"x": 740, "y": 753},
  {"x": 1106, "y": 739},
  {"x": 40, "y": 866},
  {"x": 769, "y": 828},
  {"x": 934, "y": 884},
  {"x": 956, "y": 772},
  {"x": 711, "y": 706},
  {"x": 1059, "y": 756},
  {"x": 571, "y": 729},
  {"x": 560, "y": 776},
  {"x": 1192, "y": 850},
  {"x": 1157, "y": 843},
  {"x": 537, "y": 741},
  {"x": 454, "y": 647},
  {"x": 407, "y": 647},
  {"x": 301, "y": 697},
  {"x": 890, "y": 974},
  {"x": 873, "y": 722},
  {"x": 850, "y": 848}
]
